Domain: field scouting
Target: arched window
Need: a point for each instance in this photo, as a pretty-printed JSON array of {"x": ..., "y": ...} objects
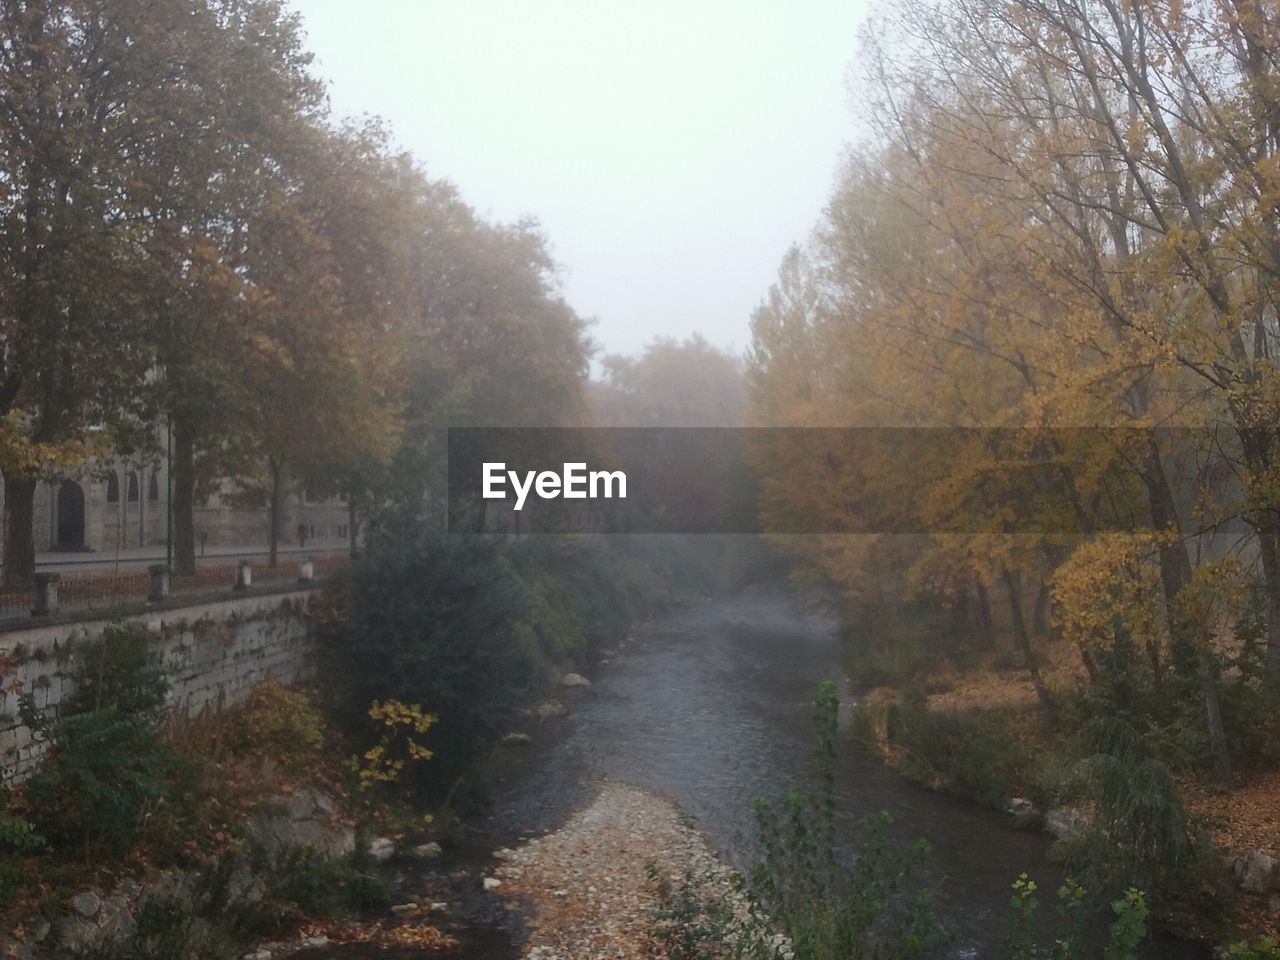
[
  {"x": 153, "y": 488},
  {"x": 133, "y": 488},
  {"x": 113, "y": 487}
]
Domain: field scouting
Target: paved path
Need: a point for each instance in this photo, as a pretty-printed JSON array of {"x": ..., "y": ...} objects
[{"x": 145, "y": 556}]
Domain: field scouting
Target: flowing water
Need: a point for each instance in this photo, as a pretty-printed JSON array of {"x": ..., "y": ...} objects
[{"x": 712, "y": 705}]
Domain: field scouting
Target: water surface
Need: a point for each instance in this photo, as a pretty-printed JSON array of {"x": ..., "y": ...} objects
[{"x": 712, "y": 705}]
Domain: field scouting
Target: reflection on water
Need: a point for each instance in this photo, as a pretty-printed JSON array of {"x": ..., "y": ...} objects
[{"x": 713, "y": 706}]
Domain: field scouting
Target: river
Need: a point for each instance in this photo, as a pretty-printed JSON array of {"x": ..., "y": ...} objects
[{"x": 711, "y": 705}]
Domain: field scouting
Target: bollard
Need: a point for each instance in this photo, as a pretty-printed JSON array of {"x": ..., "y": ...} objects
[
  {"x": 46, "y": 594},
  {"x": 306, "y": 571},
  {"x": 160, "y": 582},
  {"x": 244, "y": 575}
]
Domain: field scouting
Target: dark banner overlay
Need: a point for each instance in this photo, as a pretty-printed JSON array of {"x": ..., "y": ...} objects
[{"x": 846, "y": 480}]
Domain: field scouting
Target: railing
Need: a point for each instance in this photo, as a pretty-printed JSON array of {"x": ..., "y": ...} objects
[{"x": 103, "y": 590}]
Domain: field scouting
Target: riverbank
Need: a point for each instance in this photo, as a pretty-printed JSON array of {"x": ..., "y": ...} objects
[{"x": 981, "y": 734}]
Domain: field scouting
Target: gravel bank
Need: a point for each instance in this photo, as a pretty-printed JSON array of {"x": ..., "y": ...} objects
[{"x": 588, "y": 881}]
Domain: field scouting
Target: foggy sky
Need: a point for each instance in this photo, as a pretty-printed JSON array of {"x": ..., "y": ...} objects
[{"x": 672, "y": 150}]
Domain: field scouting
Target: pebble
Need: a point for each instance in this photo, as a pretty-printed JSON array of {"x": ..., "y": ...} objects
[
  {"x": 589, "y": 881},
  {"x": 382, "y": 849},
  {"x": 427, "y": 851},
  {"x": 86, "y": 904}
]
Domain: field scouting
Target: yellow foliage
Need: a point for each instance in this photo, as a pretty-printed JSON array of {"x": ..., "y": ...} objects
[
  {"x": 385, "y": 761},
  {"x": 282, "y": 722},
  {"x": 1108, "y": 583}
]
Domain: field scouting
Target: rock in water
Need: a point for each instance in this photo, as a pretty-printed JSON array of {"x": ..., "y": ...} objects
[
  {"x": 382, "y": 849},
  {"x": 1024, "y": 811},
  {"x": 550, "y": 708},
  {"x": 1255, "y": 872},
  {"x": 490, "y": 884},
  {"x": 427, "y": 851},
  {"x": 574, "y": 680},
  {"x": 1065, "y": 822}
]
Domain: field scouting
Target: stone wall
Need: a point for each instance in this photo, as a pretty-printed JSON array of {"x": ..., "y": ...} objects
[{"x": 215, "y": 653}]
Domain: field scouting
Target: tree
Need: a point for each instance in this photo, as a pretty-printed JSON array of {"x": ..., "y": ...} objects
[
  {"x": 237, "y": 124},
  {"x": 80, "y": 90},
  {"x": 328, "y": 278},
  {"x": 673, "y": 383}
]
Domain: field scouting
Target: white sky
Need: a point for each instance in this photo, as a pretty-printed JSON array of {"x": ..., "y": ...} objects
[{"x": 672, "y": 149}]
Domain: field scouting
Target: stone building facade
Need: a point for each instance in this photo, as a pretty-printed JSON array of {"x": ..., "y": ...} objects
[{"x": 124, "y": 506}]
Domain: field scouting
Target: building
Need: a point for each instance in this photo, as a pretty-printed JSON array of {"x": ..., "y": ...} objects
[{"x": 125, "y": 507}]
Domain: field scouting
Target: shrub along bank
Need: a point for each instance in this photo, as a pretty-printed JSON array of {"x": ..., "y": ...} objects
[
  {"x": 136, "y": 839},
  {"x": 474, "y": 628},
  {"x": 1115, "y": 772}
]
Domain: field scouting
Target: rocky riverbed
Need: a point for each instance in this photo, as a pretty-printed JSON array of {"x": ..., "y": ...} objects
[{"x": 588, "y": 883}]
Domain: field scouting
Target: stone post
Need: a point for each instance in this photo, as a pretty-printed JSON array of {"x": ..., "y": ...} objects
[
  {"x": 306, "y": 570},
  {"x": 160, "y": 582},
  {"x": 46, "y": 586},
  {"x": 244, "y": 575}
]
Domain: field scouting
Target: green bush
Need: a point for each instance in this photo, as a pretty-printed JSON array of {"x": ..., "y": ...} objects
[
  {"x": 969, "y": 752},
  {"x": 1127, "y": 933},
  {"x": 18, "y": 837},
  {"x": 1139, "y": 835},
  {"x": 439, "y": 623},
  {"x": 121, "y": 671},
  {"x": 102, "y": 774},
  {"x": 696, "y": 918},
  {"x": 831, "y": 907},
  {"x": 1268, "y": 948},
  {"x": 301, "y": 884},
  {"x": 470, "y": 628},
  {"x": 1250, "y": 698},
  {"x": 105, "y": 766},
  {"x": 280, "y": 723}
]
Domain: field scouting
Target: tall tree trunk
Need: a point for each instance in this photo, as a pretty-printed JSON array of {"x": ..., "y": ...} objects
[
  {"x": 984, "y": 616},
  {"x": 1023, "y": 640},
  {"x": 19, "y": 532},
  {"x": 273, "y": 511},
  {"x": 1040, "y": 618},
  {"x": 183, "y": 483},
  {"x": 961, "y": 612},
  {"x": 1090, "y": 666},
  {"x": 1269, "y": 548},
  {"x": 1190, "y": 650}
]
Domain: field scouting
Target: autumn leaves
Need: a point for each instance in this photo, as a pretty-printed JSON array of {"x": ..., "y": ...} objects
[
  {"x": 192, "y": 245},
  {"x": 1066, "y": 217}
]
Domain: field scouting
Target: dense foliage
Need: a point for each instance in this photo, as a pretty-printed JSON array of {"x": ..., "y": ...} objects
[
  {"x": 473, "y": 628},
  {"x": 107, "y": 767}
]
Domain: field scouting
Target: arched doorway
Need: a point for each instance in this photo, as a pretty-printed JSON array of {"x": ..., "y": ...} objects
[{"x": 70, "y": 516}]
